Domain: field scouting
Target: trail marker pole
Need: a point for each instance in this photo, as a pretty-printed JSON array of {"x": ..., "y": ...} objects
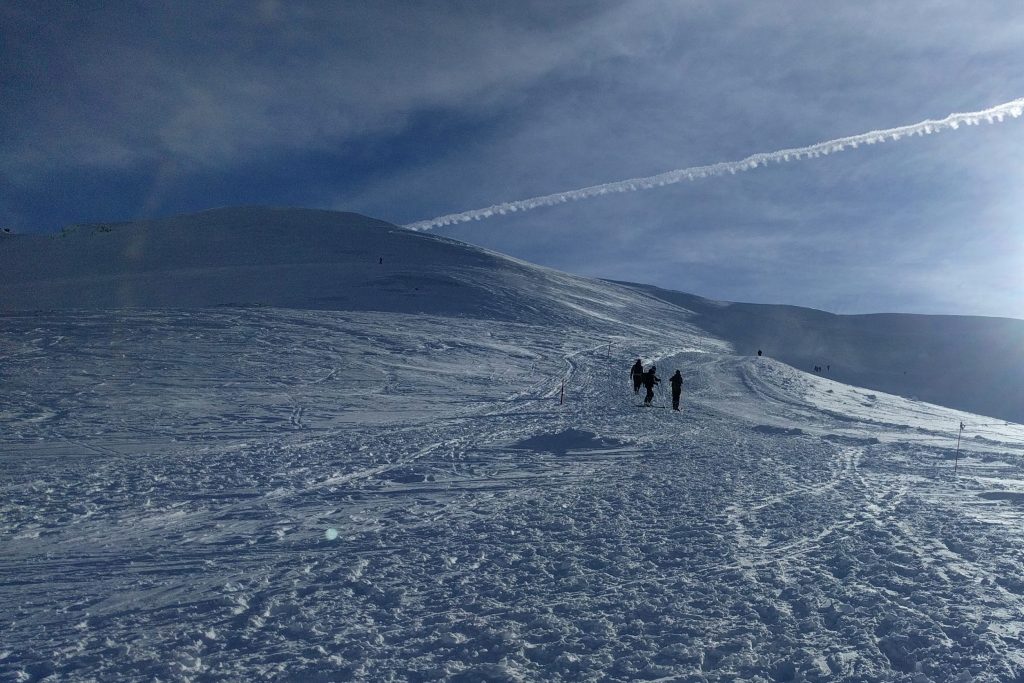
[
  {"x": 561, "y": 397},
  {"x": 956, "y": 460}
]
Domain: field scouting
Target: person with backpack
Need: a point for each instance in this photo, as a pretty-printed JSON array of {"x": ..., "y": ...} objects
[
  {"x": 677, "y": 389},
  {"x": 650, "y": 379},
  {"x": 636, "y": 373}
]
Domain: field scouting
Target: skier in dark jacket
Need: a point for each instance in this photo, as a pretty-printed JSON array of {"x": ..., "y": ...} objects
[
  {"x": 650, "y": 379},
  {"x": 636, "y": 373},
  {"x": 677, "y": 389}
]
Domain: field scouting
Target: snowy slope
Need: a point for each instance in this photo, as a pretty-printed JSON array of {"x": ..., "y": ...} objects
[
  {"x": 245, "y": 494},
  {"x": 298, "y": 258},
  {"x": 295, "y": 258},
  {"x": 971, "y": 363},
  {"x": 311, "y": 493}
]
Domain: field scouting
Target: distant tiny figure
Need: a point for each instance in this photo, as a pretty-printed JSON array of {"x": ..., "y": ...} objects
[
  {"x": 828, "y": 368},
  {"x": 380, "y": 260},
  {"x": 677, "y": 389},
  {"x": 636, "y": 373},
  {"x": 759, "y": 352},
  {"x": 650, "y": 379}
]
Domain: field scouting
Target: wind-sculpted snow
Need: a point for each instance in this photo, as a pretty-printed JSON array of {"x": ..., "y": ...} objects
[
  {"x": 996, "y": 114},
  {"x": 258, "y": 493}
]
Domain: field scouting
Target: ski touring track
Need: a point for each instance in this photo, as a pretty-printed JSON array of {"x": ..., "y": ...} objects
[{"x": 763, "y": 533}]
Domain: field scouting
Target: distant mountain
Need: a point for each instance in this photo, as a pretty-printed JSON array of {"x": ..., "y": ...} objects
[
  {"x": 967, "y": 362},
  {"x": 300, "y": 258}
]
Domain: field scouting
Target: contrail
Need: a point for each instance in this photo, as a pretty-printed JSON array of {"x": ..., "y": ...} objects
[{"x": 995, "y": 114}]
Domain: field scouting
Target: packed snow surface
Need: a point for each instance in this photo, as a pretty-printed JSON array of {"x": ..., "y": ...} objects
[{"x": 272, "y": 493}]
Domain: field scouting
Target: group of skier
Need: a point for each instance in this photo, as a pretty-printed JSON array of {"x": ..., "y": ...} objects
[{"x": 649, "y": 378}]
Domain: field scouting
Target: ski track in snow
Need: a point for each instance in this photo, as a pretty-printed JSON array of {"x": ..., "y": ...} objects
[{"x": 352, "y": 496}]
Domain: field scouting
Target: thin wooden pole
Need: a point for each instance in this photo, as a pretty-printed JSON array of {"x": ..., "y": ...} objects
[{"x": 956, "y": 460}]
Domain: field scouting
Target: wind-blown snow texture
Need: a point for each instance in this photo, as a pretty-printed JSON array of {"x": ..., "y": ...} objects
[{"x": 306, "y": 494}]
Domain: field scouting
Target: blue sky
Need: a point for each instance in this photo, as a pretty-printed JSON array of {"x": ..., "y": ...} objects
[{"x": 405, "y": 111}]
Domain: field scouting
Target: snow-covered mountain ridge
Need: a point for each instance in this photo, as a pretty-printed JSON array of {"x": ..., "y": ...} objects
[
  {"x": 307, "y": 259},
  {"x": 289, "y": 258},
  {"x": 967, "y": 362},
  {"x": 463, "y": 486}
]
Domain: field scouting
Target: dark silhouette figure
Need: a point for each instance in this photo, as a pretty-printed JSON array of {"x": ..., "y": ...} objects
[
  {"x": 636, "y": 373},
  {"x": 759, "y": 352},
  {"x": 677, "y": 389},
  {"x": 650, "y": 379},
  {"x": 380, "y": 261}
]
